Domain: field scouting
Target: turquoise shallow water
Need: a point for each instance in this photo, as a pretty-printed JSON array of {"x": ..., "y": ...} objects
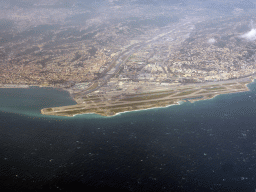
[
  {"x": 30, "y": 101},
  {"x": 203, "y": 146}
]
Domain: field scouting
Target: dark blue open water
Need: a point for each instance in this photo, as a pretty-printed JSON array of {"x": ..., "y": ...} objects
[{"x": 203, "y": 146}]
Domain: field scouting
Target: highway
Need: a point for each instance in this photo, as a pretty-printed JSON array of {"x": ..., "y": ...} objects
[{"x": 121, "y": 59}]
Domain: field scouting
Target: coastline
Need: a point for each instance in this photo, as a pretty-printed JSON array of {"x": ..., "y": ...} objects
[
  {"x": 13, "y": 86},
  {"x": 117, "y": 108},
  {"x": 178, "y": 103},
  {"x": 105, "y": 110},
  {"x": 119, "y": 113},
  {"x": 21, "y": 86}
]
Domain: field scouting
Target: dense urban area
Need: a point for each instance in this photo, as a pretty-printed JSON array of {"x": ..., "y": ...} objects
[{"x": 129, "y": 62}]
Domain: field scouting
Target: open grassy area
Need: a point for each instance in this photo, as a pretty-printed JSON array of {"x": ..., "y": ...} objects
[
  {"x": 217, "y": 88},
  {"x": 210, "y": 91},
  {"x": 209, "y": 86},
  {"x": 91, "y": 97},
  {"x": 88, "y": 99},
  {"x": 160, "y": 99},
  {"x": 94, "y": 99},
  {"x": 148, "y": 93},
  {"x": 239, "y": 87},
  {"x": 244, "y": 83},
  {"x": 186, "y": 93},
  {"x": 49, "y": 109},
  {"x": 209, "y": 96},
  {"x": 74, "y": 112},
  {"x": 147, "y": 97},
  {"x": 213, "y": 89},
  {"x": 111, "y": 110},
  {"x": 185, "y": 89},
  {"x": 194, "y": 98},
  {"x": 116, "y": 108},
  {"x": 229, "y": 83}
]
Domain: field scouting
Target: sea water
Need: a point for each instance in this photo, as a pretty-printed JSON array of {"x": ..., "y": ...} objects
[{"x": 207, "y": 145}]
